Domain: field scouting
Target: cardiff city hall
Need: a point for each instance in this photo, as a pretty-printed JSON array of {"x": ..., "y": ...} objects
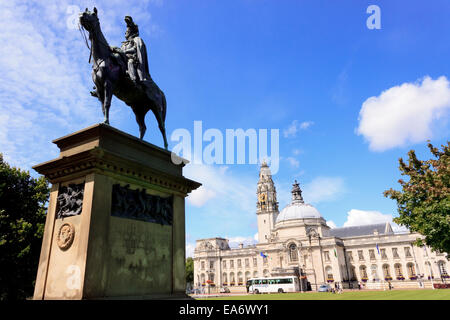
[{"x": 298, "y": 242}]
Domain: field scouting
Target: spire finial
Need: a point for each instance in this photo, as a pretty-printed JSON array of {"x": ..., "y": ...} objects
[
  {"x": 296, "y": 193},
  {"x": 264, "y": 163}
]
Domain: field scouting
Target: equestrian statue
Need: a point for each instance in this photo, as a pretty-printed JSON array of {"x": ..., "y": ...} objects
[{"x": 124, "y": 72}]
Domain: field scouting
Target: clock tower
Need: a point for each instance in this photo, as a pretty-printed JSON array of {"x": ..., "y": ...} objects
[{"x": 266, "y": 205}]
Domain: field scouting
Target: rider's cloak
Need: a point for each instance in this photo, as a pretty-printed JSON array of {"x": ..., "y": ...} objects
[{"x": 141, "y": 51}]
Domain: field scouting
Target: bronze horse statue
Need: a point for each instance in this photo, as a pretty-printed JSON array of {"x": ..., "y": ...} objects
[{"x": 109, "y": 72}]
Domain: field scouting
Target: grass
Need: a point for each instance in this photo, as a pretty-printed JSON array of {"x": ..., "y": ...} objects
[{"x": 423, "y": 294}]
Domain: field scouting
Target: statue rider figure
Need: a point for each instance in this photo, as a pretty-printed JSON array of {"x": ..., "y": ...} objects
[{"x": 135, "y": 52}]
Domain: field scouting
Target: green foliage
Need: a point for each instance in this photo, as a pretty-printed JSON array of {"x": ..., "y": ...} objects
[
  {"x": 424, "y": 202},
  {"x": 22, "y": 220},
  {"x": 189, "y": 270}
]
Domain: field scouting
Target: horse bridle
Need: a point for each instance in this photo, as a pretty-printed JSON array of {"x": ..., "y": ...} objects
[{"x": 81, "y": 28}]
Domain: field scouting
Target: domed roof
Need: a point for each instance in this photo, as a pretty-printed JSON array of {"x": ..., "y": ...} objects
[{"x": 298, "y": 209}]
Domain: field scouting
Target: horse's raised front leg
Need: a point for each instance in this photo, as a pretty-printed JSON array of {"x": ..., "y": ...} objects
[{"x": 108, "y": 92}]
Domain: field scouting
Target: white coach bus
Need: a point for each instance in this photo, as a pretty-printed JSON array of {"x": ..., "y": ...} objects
[{"x": 273, "y": 284}]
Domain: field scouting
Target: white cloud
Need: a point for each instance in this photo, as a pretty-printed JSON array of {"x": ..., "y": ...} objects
[
  {"x": 357, "y": 217},
  {"x": 200, "y": 196},
  {"x": 229, "y": 190},
  {"x": 408, "y": 113},
  {"x": 331, "y": 224},
  {"x": 305, "y": 125},
  {"x": 237, "y": 240},
  {"x": 295, "y": 127},
  {"x": 323, "y": 189},
  {"x": 293, "y": 162}
]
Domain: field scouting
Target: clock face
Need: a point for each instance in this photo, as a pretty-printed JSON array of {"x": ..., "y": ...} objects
[{"x": 262, "y": 197}]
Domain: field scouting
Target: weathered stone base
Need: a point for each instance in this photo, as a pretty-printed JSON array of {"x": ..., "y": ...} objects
[{"x": 124, "y": 238}]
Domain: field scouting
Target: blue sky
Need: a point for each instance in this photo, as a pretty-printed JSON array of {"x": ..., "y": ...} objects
[{"x": 348, "y": 101}]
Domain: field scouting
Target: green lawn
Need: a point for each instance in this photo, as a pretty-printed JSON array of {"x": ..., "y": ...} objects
[{"x": 441, "y": 294}]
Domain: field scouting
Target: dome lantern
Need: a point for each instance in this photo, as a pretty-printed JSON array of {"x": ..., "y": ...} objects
[{"x": 298, "y": 209}]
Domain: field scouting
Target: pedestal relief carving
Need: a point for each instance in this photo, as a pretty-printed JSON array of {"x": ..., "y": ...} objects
[
  {"x": 137, "y": 204},
  {"x": 70, "y": 200},
  {"x": 66, "y": 234}
]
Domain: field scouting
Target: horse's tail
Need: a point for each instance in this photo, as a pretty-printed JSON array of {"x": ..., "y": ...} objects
[{"x": 164, "y": 106}]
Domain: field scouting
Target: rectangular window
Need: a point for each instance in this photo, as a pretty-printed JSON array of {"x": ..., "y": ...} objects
[
  {"x": 239, "y": 264},
  {"x": 247, "y": 263},
  {"x": 383, "y": 254},
  {"x": 264, "y": 260},
  {"x": 203, "y": 265},
  {"x": 407, "y": 252},
  {"x": 360, "y": 255},
  {"x": 326, "y": 255},
  {"x": 231, "y": 263},
  {"x": 224, "y": 264},
  {"x": 211, "y": 264},
  {"x": 255, "y": 262},
  {"x": 372, "y": 254},
  {"x": 395, "y": 253}
]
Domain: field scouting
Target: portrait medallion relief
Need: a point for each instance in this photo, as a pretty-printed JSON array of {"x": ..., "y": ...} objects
[{"x": 66, "y": 234}]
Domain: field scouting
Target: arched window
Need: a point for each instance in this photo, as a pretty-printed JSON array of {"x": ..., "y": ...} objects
[
  {"x": 411, "y": 270},
  {"x": 202, "y": 279},
  {"x": 398, "y": 271},
  {"x": 224, "y": 279},
  {"x": 240, "y": 279},
  {"x": 255, "y": 274},
  {"x": 247, "y": 276},
  {"x": 374, "y": 272},
  {"x": 363, "y": 272},
  {"x": 387, "y": 272},
  {"x": 232, "y": 280},
  {"x": 293, "y": 252},
  {"x": 266, "y": 273},
  {"x": 329, "y": 273},
  {"x": 442, "y": 269}
]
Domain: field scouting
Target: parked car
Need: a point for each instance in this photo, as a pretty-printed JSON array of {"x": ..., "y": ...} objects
[
  {"x": 324, "y": 288},
  {"x": 224, "y": 290}
]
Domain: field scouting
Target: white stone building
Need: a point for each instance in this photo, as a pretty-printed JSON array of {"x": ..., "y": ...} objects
[{"x": 297, "y": 241}]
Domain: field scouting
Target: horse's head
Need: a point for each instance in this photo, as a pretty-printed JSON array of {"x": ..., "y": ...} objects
[{"x": 89, "y": 20}]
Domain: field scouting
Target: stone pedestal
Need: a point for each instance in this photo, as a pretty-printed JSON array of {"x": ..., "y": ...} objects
[{"x": 115, "y": 225}]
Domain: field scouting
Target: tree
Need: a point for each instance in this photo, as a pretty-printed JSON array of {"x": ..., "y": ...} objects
[
  {"x": 22, "y": 221},
  {"x": 424, "y": 202},
  {"x": 189, "y": 270}
]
